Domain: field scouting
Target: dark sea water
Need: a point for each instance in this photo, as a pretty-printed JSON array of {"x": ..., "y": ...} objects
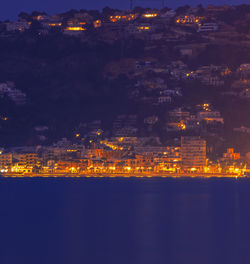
[{"x": 124, "y": 221}]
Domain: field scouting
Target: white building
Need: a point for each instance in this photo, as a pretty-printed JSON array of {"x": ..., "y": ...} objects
[
  {"x": 164, "y": 99},
  {"x": 242, "y": 129},
  {"x": 14, "y": 94},
  {"x": 210, "y": 116},
  {"x": 208, "y": 27}
]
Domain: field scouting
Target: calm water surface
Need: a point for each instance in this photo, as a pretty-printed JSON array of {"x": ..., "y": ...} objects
[{"x": 124, "y": 221}]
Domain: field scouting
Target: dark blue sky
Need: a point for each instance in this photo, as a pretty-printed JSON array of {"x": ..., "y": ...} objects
[{"x": 10, "y": 8}]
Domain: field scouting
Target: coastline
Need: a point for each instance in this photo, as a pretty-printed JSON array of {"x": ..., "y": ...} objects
[{"x": 123, "y": 175}]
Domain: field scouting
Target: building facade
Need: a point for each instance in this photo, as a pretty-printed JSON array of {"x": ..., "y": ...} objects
[{"x": 193, "y": 154}]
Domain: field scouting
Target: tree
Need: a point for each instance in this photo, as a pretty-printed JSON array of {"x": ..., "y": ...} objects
[
  {"x": 182, "y": 9},
  {"x": 37, "y": 13},
  {"x": 71, "y": 13},
  {"x": 35, "y": 25},
  {"x": 107, "y": 11},
  {"x": 201, "y": 10},
  {"x": 139, "y": 10},
  {"x": 24, "y": 16},
  {"x": 95, "y": 14},
  {"x": 165, "y": 9}
]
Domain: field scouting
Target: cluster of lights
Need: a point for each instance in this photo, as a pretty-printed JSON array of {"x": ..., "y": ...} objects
[
  {"x": 39, "y": 17},
  {"x": 4, "y": 118},
  {"x": 97, "y": 23},
  {"x": 226, "y": 72},
  {"x": 206, "y": 107},
  {"x": 110, "y": 145},
  {"x": 58, "y": 24},
  {"x": 188, "y": 20},
  {"x": 143, "y": 28},
  {"x": 189, "y": 74},
  {"x": 182, "y": 125},
  {"x": 72, "y": 23},
  {"x": 148, "y": 15},
  {"x": 124, "y": 18},
  {"x": 75, "y": 29},
  {"x": 236, "y": 171}
]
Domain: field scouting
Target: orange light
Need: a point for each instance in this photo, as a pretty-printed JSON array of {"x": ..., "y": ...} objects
[
  {"x": 55, "y": 24},
  {"x": 150, "y": 15},
  {"x": 97, "y": 23},
  {"x": 75, "y": 28}
]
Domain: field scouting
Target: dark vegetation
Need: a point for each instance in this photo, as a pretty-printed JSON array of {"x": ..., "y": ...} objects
[{"x": 64, "y": 82}]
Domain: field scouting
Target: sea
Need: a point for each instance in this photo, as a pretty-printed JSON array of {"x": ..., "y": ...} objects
[{"x": 124, "y": 221}]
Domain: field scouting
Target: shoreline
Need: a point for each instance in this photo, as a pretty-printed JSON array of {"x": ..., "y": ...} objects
[{"x": 123, "y": 175}]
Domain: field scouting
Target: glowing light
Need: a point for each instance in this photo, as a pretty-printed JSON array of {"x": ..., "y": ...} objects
[
  {"x": 124, "y": 18},
  {"x": 150, "y": 15},
  {"x": 75, "y": 28},
  {"x": 97, "y": 23},
  {"x": 55, "y": 24},
  {"x": 143, "y": 28}
]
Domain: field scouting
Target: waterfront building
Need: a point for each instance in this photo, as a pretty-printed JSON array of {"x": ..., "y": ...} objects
[
  {"x": 27, "y": 159},
  {"x": 231, "y": 155},
  {"x": 193, "y": 153},
  {"x": 6, "y": 160}
]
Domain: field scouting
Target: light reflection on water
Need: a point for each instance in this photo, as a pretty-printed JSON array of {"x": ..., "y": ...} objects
[{"x": 136, "y": 221}]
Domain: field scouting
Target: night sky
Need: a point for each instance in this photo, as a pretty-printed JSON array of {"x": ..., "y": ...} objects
[{"x": 10, "y": 8}]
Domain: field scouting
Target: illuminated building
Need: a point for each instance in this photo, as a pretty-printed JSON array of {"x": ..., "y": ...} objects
[
  {"x": 21, "y": 169},
  {"x": 143, "y": 28},
  {"x": 176, "y": 126},
  {"x": 122, "y": 17},
  {"x": 5, "y": 160},
  {"x": 27, "y": 159},
  {"x": 55, "y": 24},
  {"x": 75, "y": 23},
  {"x": 193, "y": 153},
  {"x": 188, "y": 19},
  {"x": 97, "y": 23},
  {"x": 150, "y": 15},
  {"x": 41, "y": 17},
  {"x": 231, "y": 155},
  {"x": 75, "y": 29},
  {"x": 210, "y": 116}
]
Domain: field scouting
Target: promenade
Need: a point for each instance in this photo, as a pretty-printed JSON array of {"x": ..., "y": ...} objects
[{"x": 122, "y": 175}]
